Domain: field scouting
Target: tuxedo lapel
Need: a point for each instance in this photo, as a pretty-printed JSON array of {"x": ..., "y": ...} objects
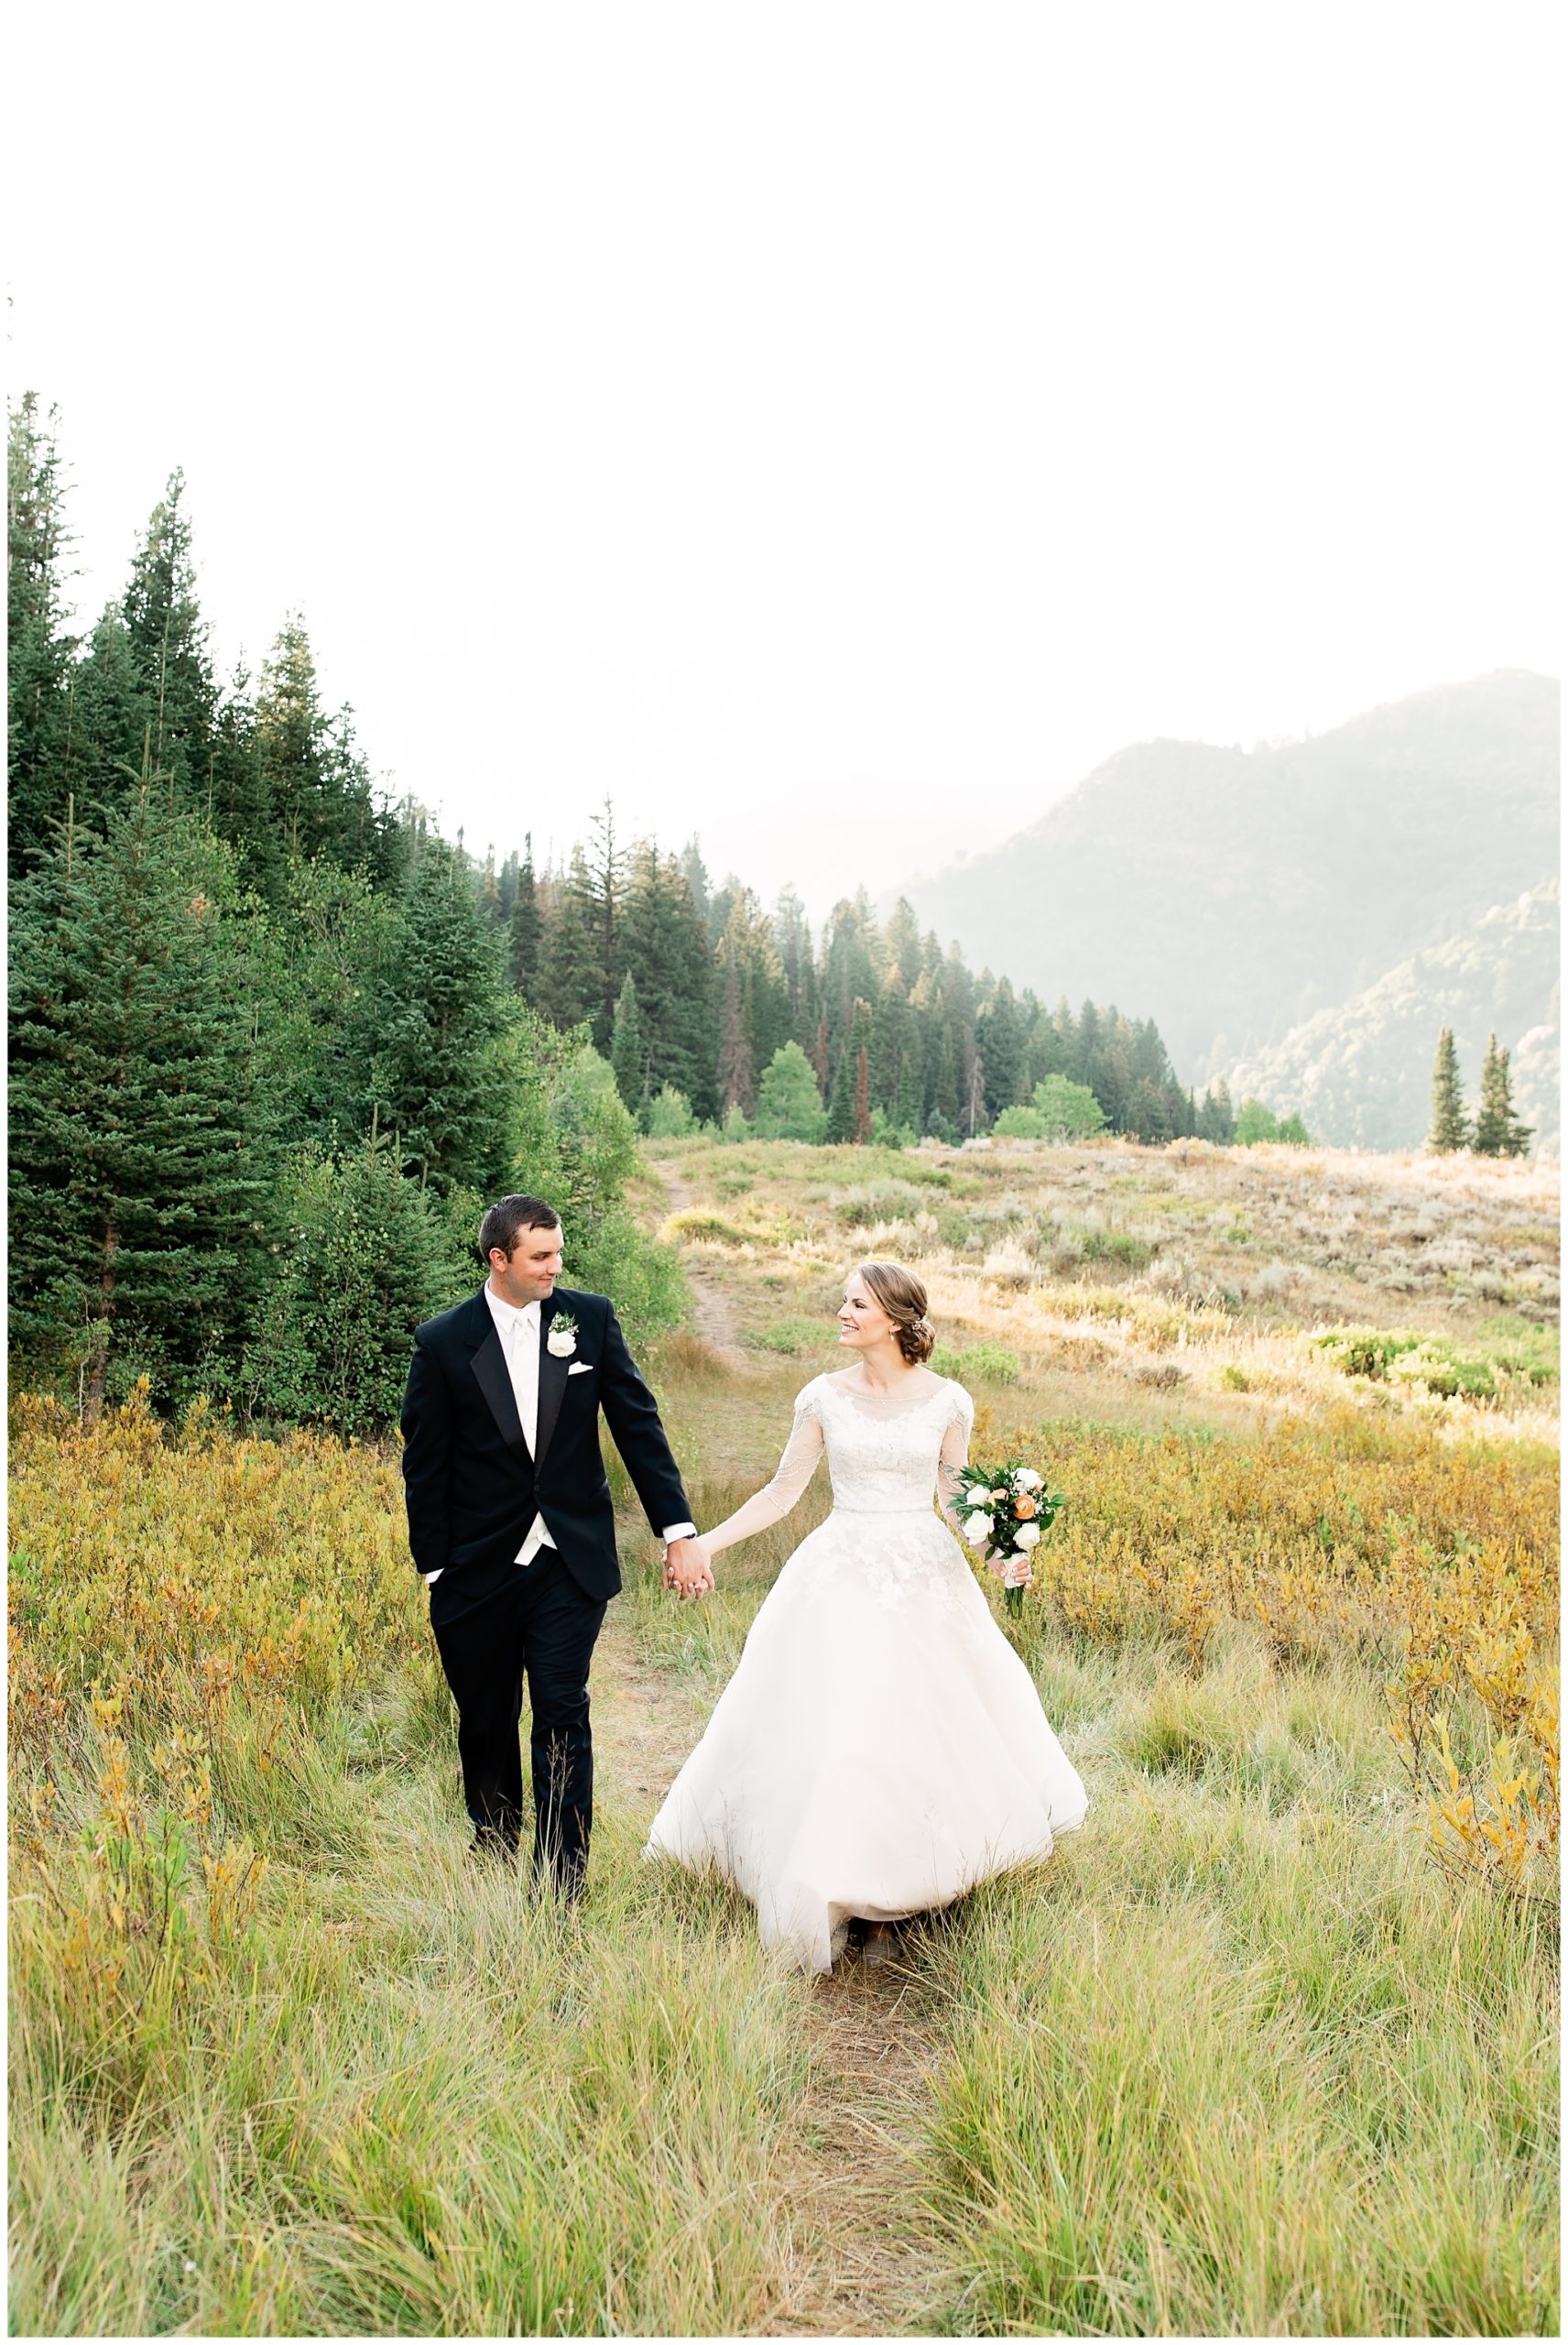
[
  {"x": 552, "y": 1375},
  {"x": 489, "y": 1365}
]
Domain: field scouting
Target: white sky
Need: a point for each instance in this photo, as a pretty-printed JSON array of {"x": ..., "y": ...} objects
[{"x": 829, "y": 427}]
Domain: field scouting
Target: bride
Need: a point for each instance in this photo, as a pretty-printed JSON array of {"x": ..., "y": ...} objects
[{"x": 880, "y": 1747}]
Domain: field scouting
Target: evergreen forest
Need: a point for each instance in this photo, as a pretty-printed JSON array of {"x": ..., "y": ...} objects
[{"x": 274, "y": 1038}]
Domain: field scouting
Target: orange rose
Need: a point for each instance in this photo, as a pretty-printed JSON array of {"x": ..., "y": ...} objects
[{"x": 1023, "y": 1508}]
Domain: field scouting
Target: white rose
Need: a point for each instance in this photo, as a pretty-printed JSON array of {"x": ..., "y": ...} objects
[
  {"x": 1027, "y": 1535},
  {"x": 978, "y": 1530},
  {"x": 1026, "y": 1479}
]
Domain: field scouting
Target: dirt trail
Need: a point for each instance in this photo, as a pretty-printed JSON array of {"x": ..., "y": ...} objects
[
  {"x": 715, "y": 1313},
  {"x": 863, "y": 2265}
]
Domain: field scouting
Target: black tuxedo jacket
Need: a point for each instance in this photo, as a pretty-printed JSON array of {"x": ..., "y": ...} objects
[{"x": 471, "y": 1486}]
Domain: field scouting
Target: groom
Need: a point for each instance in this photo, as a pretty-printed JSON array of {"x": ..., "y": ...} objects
[{"x": 510, "y": 1523}]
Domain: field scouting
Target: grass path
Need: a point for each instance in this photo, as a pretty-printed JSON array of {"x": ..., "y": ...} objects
[
  {"x": 858, "y": 2266},
  {"x": 862, "y": 2262},
  {"x": 713, "y": 1312}
]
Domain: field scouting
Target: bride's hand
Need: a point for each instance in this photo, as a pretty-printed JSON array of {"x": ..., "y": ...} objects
[{"x": 687, "y": 1568}]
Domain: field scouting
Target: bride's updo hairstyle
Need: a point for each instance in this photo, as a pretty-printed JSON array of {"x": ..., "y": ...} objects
[{"x": 903, "y": 1298}]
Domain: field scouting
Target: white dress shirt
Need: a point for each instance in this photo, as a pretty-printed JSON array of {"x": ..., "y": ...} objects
[{"x": 520, "y": 1335}]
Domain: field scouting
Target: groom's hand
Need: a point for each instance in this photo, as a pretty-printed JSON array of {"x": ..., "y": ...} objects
[{"x": 687, "y": 1568}]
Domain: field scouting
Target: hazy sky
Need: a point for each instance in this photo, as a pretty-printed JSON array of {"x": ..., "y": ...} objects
[{"x": 828, "y": 427}]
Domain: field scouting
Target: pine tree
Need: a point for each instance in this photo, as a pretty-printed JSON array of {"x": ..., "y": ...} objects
[
  {"x": 862, "y": 1096},
  {"x": 568, "y": 971},
  {"x": 695, "y": 872},
  {"x": 108, "y": 723},
  {"x": 168, "y": 639},
  {"x": 292, "y": 744},
  {"x": 239, "y": 800},
  {"x": 1450, "y": 1126},
  {"x": 1499, "y": 1131},
  {"x": 605, "y": 866},
  {"x": 629, "y": 1057},
  {"x": 734, "y": 1048},
  {"x": 894, "y": 1041},
  {"x": 38, "y": 650},
  {"x": 1000, "y": 1040},
  {"x": 525, "y": 927},
  {"x": 1215, "y": 1117},
  {"x": 143, "y": 1119},
  {"x": 664, "y": 941},
  {"x": 849, "y": 1109},
  {"x": 841, "y": 1104},
  {"x": 444, "y": 1023}
]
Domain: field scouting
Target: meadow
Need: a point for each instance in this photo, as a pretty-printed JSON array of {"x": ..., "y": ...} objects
[{"x": 1269, "y": 2047}]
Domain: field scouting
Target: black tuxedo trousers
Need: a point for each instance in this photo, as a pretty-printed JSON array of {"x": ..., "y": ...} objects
[{"x": 473, "y": 1490}]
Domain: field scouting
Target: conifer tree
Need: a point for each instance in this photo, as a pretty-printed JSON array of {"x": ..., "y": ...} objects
[
  {"x": 1450, "y": 1126},
  {"x": 665, "y": 944},
  {"x": 841, "y": 1104},
  {"x": 628, "y": 1056},
  {"x": 143, "y": 1112},
  {"x": 862, "y": 1096},
  {"x": 606, "y": 868},
  {"x": 168, "y": 639},
  {"x": 820, "y": 1052},
  {"x": 317, "y": 791},
  {"x": 849, "y": 1109},
  {"x": 695, "y": 872},
  {"x": 525, "y": 927},
  {"x": 567, "y": 970},
  {"x": 735, "y": 1047},
  {"x": 38, "y": 648},
  {"x": 444, "y": 1023},
  {"x": 1499, "y": 1131},
  {"x": 1000, "y": 1040},
  {"x": 108, "y": 729},
  {"x": 894, "y": 1041}
]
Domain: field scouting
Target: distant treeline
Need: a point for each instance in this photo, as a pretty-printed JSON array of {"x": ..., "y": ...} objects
[
  {"x": 269, "y": 1028},
  {"x": 695, "y": 991}
]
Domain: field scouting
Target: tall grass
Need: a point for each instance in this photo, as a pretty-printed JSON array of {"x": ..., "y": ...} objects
[
  {"x": 1268, "y": 2046},
  {"x": 284, "y": 2060},
  {"x": 1236, "y": 2062}
]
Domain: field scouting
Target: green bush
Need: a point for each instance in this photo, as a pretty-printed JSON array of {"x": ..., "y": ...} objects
[
  {"x": 668, "y": 1115},
  {"x": 792, "y": 1336},
  {"x": 988, "y": 1363},
  {"x": 643, "y": 1279},
  {"x": 1398, "y": 1356},
  {"x": 1116, "y": 1245},
  {"x": 368, "y": 1254},
  {"x": 788, "y": 1105}
]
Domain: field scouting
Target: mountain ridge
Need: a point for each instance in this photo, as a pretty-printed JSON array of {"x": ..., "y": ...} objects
[{"x": 1235, "y": 893}]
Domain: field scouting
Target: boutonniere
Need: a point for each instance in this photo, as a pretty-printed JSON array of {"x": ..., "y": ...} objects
[{"x": 561, "y": 1340}]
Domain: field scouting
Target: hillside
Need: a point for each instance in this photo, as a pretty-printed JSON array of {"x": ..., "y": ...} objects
[
  {"x": 1233, "y": 894},
  {"x": 1360, "y": 1073}
]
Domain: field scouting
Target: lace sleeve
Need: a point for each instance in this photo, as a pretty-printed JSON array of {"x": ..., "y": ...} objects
[
  {"x": 955, "y": 1456},
  {"x": 796, "y": 1467}
]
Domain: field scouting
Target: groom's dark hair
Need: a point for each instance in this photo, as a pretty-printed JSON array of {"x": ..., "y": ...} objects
[{"x": 506, "y": 1218}]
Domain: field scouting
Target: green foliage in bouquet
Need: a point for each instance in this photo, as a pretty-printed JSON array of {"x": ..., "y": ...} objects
[{"x": 1007, "y": 1509}]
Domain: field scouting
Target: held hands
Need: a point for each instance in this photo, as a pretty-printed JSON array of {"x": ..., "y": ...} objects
[{"x": 687, "y": 1568}]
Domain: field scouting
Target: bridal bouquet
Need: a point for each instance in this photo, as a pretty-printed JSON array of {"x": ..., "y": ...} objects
[{"x": 1005, "y": 1509}]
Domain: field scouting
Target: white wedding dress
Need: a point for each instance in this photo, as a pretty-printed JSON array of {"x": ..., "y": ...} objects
[{"x": 881, "y": 1748}]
